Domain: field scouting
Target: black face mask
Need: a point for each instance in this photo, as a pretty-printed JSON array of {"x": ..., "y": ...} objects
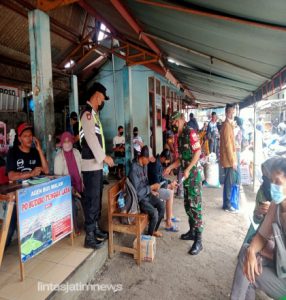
[
  {"x": 121, "y": 133},
  {"x": 266, "y": 187},
  {"x": 175, "y": 128},
  {"x": 100, "y": 107},
  {"x": 135, "y": 134}
]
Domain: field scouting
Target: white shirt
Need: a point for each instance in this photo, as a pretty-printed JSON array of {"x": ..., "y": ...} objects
[
  {"x": 136, "y": 144},
  {"x": 118, "y": 140}
]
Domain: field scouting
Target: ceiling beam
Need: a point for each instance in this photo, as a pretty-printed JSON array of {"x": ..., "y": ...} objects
[
  {"x": 214, "y": 15},
  {"x": 47, "y": 5},
  {"x": 56, "y": 27},
  {"x": 25, "y": 66},
  {"x": 135, "y": 26},
  {"x": 94, "y": 13},
  {"x": 77, "y": 48}
]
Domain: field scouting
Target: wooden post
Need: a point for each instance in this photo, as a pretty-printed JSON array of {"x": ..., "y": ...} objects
[
  {"x": 138, "y": 234},
  {"x": 22, "y": 269},
  {"x": 42, "y": 82},
  {"x": 5, "y": 228}
]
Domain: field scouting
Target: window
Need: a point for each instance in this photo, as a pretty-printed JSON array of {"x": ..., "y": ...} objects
[{"x": 103, "y": 32}]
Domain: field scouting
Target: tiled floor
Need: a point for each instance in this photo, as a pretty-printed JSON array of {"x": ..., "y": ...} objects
[{"x": 52, "y": 266}]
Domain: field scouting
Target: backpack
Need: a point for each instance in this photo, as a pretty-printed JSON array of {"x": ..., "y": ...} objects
[{"x": 131, "y": 202}]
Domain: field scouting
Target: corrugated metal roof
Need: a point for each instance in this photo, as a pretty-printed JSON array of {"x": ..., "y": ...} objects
[
  {"x": 225, "y": 49},
  {"x": 14, "y": 31},
  {"x": 14, "y": 42}
]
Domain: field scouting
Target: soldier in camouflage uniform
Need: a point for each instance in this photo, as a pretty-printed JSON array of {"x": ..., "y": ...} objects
[{"x": 189, "y": 154}]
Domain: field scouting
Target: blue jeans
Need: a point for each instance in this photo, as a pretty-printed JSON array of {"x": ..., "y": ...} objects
[{"x": 228, "y": 182}]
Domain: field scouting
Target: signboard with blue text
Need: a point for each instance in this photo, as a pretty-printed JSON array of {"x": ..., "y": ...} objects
[{"x": 44, "y": 215}]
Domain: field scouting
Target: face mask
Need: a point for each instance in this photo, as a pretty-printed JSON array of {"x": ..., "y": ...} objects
[
  {"x": 277, "y": 194},
  {"x": 67, "y": 147},
  {"x": 121, "y": 133},
  {"x": 100, "y": 107},
  {"x": 175, "y": 128}
]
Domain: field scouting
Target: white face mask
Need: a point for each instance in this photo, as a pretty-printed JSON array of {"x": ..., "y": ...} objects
[{"x": 67, "y": 147}]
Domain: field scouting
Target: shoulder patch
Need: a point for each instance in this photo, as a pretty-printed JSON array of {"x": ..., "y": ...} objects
[
  {"x": 194, "y": 136},
  {"x": 88, "y": 116}
]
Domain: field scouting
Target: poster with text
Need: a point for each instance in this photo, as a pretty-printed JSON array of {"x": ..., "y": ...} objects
[{"x": 44, "y": 214}]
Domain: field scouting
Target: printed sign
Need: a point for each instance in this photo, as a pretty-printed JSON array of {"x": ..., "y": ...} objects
[
  {"x": 44, "y": 214},
  {"x": 9, "y": 90}
]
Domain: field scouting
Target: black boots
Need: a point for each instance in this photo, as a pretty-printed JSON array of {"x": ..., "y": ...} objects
[
  {"x": 99, "y": 234},
  {"x": 197, "y": 245},
  {"x": 92, "y": 242},
  {"x": 188, "y": 235}
]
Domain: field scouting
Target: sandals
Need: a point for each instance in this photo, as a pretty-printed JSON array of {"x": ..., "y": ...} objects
[
  {"x": 175, "y": 219},
  {"x": 172, "y": 228},
  {"x": 157, "y": 234}
]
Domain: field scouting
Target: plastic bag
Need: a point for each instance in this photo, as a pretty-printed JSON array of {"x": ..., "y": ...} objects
[
  {"x": 212, "y": 175},
  {"x": 105, "y": 170},
  {"x": 212, "y": 158},
  {"x": 234, "y": 197}
]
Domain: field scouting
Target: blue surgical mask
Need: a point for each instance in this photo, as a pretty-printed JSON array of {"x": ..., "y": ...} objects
[{"x": 277, "y": 194}]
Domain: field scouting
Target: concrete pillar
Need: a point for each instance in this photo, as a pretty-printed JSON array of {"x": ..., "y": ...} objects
[
  {"x": 73, "y": 96},
  {"x": 128, "y": 119},
  {"x": 42, "y": 83}
]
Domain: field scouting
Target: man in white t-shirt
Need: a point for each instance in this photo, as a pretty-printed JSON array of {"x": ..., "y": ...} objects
[
  {"x": 119, "y": 151},
  {"x": 137, "y": 142}
]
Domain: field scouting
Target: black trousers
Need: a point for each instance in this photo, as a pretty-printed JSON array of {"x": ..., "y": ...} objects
[
  {"x": 155, "y": 209},
  {"x": 93, "y": 183}
]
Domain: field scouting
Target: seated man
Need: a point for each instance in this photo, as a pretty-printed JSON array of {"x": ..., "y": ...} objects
[
  {"x": 261, "y": 265},
  {"x": 24, "y": 161},
  {"x": 166, "y": 191},
  {"x": 119, "y": 151},
  {"x": 148, "y": 201},
  {"x": 263, "y": 198}
]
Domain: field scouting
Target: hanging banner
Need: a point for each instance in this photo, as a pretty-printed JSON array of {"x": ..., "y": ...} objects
[{"x": 44, "y": 215}]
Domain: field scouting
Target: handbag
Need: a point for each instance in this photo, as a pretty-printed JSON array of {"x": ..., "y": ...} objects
[{"x": 280, "y": 246}]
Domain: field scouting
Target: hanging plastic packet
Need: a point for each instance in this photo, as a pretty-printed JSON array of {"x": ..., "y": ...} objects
[
  {"x": 105, "y": 170},
  {"x": 121, "y": 201}
]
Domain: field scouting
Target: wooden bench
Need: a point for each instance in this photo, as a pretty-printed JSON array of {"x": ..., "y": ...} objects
[{"x": 141, "y": 221}]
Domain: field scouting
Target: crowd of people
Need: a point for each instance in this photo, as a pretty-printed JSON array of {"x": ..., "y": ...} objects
[{"x": 82, "y": 155}]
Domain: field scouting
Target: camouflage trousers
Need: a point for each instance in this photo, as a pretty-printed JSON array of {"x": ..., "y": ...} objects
[{"x": 193, "y": 199}]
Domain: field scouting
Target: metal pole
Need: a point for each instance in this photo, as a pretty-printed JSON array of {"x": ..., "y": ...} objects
[
  {"x": 254, "y": 146},
  {"x": 114, "y": 89}
]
